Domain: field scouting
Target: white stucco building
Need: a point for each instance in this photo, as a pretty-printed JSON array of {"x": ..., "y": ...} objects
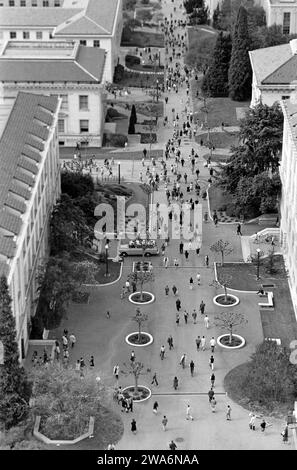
[
  {"x": 64, "y": 69},
  {"x": 29, "y": 187},
  {"x": 94, "y": 23},
  {"x": 283, "y": 13},
  {"x": 274, "y": 73},
  {"x": 288, "y": 174}
]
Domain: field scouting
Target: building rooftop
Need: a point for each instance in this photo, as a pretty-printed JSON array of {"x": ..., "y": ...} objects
[
  {"x": 267, "y": 60},
  {"x": 86, "y": 17},
  {"x": 27, "y": 61},
  {"x": 24, "y": 130}
]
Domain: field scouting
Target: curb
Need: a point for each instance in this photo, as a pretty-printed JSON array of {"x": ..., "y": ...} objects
[{"x": 108, "y": 283}]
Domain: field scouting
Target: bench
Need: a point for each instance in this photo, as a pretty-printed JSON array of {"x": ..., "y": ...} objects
[
  {"x": 277, "y": 340},
  {"x": 269, "y": 302}
]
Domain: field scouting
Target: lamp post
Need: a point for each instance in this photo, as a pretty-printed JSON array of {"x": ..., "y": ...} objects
[
  {"x": 106, "y": 258},
  {"x": 119, "y": 172},
  {"x": 157, "y": 90},
  {"x": 258, "y": 263}
]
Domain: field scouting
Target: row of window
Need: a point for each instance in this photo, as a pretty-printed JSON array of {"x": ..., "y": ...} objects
[
  {"x": 83, "y": 102},
  {"x": 39, "y": 35},
  {"x": 83, "y": 126},
  {"x": 33, "y": 3}
]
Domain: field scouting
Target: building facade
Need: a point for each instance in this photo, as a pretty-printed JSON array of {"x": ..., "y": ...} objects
[
  {"x": 64, "y": 69},
  {"x": 274, "y": 73},
  {"x": 93, "y": 23},
  {"x": 30, "y": 186},
  {"x": 288, "y": 174},
  {"x": 283, "y": 13}
]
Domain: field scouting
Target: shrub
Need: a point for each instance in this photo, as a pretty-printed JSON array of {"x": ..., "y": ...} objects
[
  {"x": 111, "y": 113},
  {"x": 132, "y": 60},
  {"x": 119, "y": 72},
  {"x": 146, "y": 138},
  {"x": 115, "y": 140}
]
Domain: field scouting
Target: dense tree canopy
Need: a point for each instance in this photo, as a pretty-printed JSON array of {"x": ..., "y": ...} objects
[{"x": 215, "y": 81}]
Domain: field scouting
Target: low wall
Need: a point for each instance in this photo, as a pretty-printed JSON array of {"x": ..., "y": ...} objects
[{"x": 61, "y": 442}]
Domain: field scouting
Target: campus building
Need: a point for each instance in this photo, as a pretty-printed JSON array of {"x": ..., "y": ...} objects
[
  {"x": 93, "y": 23},
  {"x": 288, "y": 174},
  {"x": 59, "y": 68},
  {"x": 281, "y": 12},
  {"x": 29, "y": 187},
  {"x": 274, "y": 73}
]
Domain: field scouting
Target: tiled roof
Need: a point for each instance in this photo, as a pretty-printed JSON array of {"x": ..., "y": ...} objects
[
  {"x": 265, "y": 61},
  {"x": 285, "y": 74},
  {"x": 87, "y": 67},
  {"x": 4, "y": 268},
  {"x": 21, "y": 131},
  {"x": 36, "y": 16},
  {"x": 97, "y": 19}
]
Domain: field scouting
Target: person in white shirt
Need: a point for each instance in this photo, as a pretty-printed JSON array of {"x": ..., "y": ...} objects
[
  {"x": 198, "y": 277},
  {"x": 206, "y": 322},
  {"x": 188, "y": 413},
  {"x": 212, "y": 343},
  {"x": 203, "y": 340}
]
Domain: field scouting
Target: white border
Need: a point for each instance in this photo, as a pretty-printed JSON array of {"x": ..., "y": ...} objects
[
  {"x": 151, "y": 339},
  {"x": 143, "y": 399},
  {"x": 142, "y": 303},
  {"x": 228, "y": 295},
  {"x": 231, "y": 347}
]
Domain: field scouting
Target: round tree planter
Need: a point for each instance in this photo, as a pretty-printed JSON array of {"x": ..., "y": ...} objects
[
  {"x": 238, "y": 341},
  {"x": 219, "y": 300},
  {"x": 145, "y": 339},
  {"x": 148, "y": 298},
  {"x": 144, "y": 393}
]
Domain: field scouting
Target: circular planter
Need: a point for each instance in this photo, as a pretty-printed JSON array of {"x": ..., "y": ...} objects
[
  {"x": 238, "y": 341},
  {"x": 220, "y": 300},
  {"x": 144, "y": 393},
  {"x": 145, "y": 339},
  {"x": 148, "y": 298}
]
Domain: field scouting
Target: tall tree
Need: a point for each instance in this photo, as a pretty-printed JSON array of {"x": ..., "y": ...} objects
[
  {"x": 15, "y": 388},
  {"x": 131, "y": 128},
  {"x": 133, "y": 113},
  {"x": 240, "y": 72},
  {"x": 216, "y": 17},
  {"x": 215, "y": 81}
]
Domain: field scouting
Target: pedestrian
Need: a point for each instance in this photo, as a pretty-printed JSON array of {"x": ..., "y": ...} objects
[
  {"x": 252, "y": 422},
  {"x": 129, "y": 405},
  {"x": 77, "y": 366},
  {"x": 92, "y": 361},
  {"x": 203, "y": 341},
  {"x": 82, "y": 363},
  {"x": 133, "y": 426},
  {"x": 202, "y": 307},
  {"x": 155, "y": 407},
  {"x": 211, "y": 362},
  {"x": 210, "y": 395},
  {"x": 165, "y": 261},
  {"x": 164, "y": 422},
  {"x": 198, "y": 342},
  {"x": 212, "y": 380},
  {"x": 198, "y": 277},
  {"x": 155, "y": 379},
  {"x": 263, "y": 425},
  {"x": 181, "y": 248},
  {"x": 162, "y": 352},
  {"x": 175, "y": 383},
  {"x": 188, "y": 413},
  {"x": 177, "y": 319},
  {"x": 108, "y": 314},
  {"x": 178, "y": 304},
  {"x": 111, "y": 447},
  {"x": 166, "y": 290},
  {"x": 72, "y": 340},
  {"x": 127, "y": 285},
  {"x": 206, "y": 322},
  {"x": 132, "y": 357},
  {"x": 206, "y": 260},
  {"x": 186, "y": 315},
  {"x": 65, "y": 341},
  {"x": 228, "y": 413},
  {"x": 213, "y": 404},
  {"x": 186, "y": 255},
  {"x": 116, "y": 371},
  {"x": 170, "y": 341},
  {"x": 192, "y": 367},
  {"x": 57, "y": 352},
  {"x": 194, "y": 315},
  {"x": 172, "y": 445},
  {"x": 238, "y": 229},
  {"x": 183, "y": 360},
  {"x": 191, "y": 282},
  {"x": 285, "y": 434},
  {"x": 174, "y": 290},
  {"x": 212, "y": 344}
]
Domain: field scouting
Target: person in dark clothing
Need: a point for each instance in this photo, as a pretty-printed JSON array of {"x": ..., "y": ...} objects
[
  {"x": 210, "y": 395},
  {"x": 178, "y": 304},
  {"x": 181, "y": 248}
]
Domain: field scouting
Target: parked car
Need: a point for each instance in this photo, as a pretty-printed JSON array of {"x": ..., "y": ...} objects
[{"x": 134, "y": 248}]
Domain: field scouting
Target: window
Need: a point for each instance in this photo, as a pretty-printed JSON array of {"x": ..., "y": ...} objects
[
  {"x": 61, "y": 126},
  {"x": 34, "y": 3},
  {"x": 45, "y": 3},
  {"x": 286, "y": 23},
  {"x": 83, "y": 102},
  {"x": 26, "y": 35},
  {"x": 12, "y": 35},
  {"x": 57, "y": 3},
  {"x": 64, "y": 103},
  {"x": 84, "y": 125},
  {"x": 11, "y": 3},
  {"x": 83, "y": 42},
  {"x": 285, "y": 97},
  {"x": 38, "y": 34},
  {"x": 22, "y": 3},
  {"x": 96, "y": 43}
]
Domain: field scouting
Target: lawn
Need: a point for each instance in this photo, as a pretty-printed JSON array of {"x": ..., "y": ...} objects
[
  {"x": 139, "y": 80},
  {"x": 277, "y": 323},
  {"x": 148, "y": 108},
  {"x": 219, "y": 139},
  {"x": 144, "y": 39},
  {"x": 216, "y": 157},
  {"x": 219, "y": 110},
  {"x": 217, "y": 199}
]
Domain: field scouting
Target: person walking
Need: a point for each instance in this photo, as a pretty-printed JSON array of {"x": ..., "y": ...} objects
[
  {"x": 183, "y": 361},
  {"x": 192, "y": 367},
  {"x": 92, "y": 361},
  {"x": 198, "y": 277},
  {"x": 177, "y": 319},
  {"x": 108, "y": 313},
  {"x": 285, "y": 434},
  {"x": 154, "y": 380},
  {"x": 252, "y": 422},
  {"x": 238, "y": 229},
  {"x": 178, "y": 304},
  {"x": 129, "y": 406},
  {"x": 228, "y": 413},
  {"x": 186, "y": 254},
  {"x": 133, "y": 426},
  {"x": 175, "y": 383},
  {"x": 212, "y": 344},
  {"x": 72, "y": 340},
  {"x": 181, "y": 248},
  {"x": 191, "y": 283},
  {"x": 210, "y": 395},
  {"x": 212, "y": 380},
  {"x": 166, "y": 290},
  {"x": 213, "y": 404},
  {"x": 206, "y": 322},
  {"x": 155, "y": 407},
  {"x": 263, "y": 425},
  {"x": 186, "y": 315},
  {"x": 202, "y": 307},
  {"x": 174, "y": 290},
  {"x": 211, "y": 362},
  {"x": 170, "y": 342},
  {"x": 188, "y": 413},
  {"x": 172, "y": 445},
  {"x": 198, "y": 342},
  {"x": 164, "y": 422},
  {"x": 132, "y": 357},
  {"x": 206, "y": 260},
  {"x": 77, "y": 366},
  {"x": 194, "y": 315},
  {"x": 203, "y": 341},
  {"x": 165, "y": 261},
  {"x": 65, "y": 341},
  {"x": 162, "y": 352},
  {"x": 116, "y": 371}
]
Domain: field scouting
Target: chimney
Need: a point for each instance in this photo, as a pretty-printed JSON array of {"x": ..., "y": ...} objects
[{"x": 293, "y": 45}]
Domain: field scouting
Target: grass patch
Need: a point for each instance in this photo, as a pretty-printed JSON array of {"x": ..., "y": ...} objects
[
  {"x": 225, "y": 340},
  {"x": 136, "y": 297},
  {"x": 146, "y": 68},
  {"x": 216, "y": 157},
  {"x": 222, "y": 300},
  {"x": 219, "y": 110},
  {"x": 147, "y": 138},
  {"x": 217, "y": 198},
  {"x": 144, "y": 39},
  {"x": 139, "y": 80},
  {"x": 219, "y": 139},
  {"x": 113, "y": 270}
]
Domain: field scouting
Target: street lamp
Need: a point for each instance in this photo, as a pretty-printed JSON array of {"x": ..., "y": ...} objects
[
  {"x": 119, "y": 172},
  {"x": 157, "y": 90},
  {"x": 106, "y": 258},
  {"x": 258, "y": 263}
]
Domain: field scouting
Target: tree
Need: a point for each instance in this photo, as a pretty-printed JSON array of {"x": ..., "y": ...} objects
[
  {"x": 215, "y": 81},
  {"x": 133, "y": 113},
  {"x": 129, "y": 4},
  {"x": 222, "y": 247},
  {"x": 200, "y": 15},
  {"x": 131, "y": 128},
  {"x": 144, "y": 15},
  {"x": 224, "y": 280},
  {"x": 140, "y": 278},
  {"x": 76, "y": 184},
  {"x": 216, "y": 16},
  {"x": 15, "y": 388},
  {"x": 240, "y": 71},
  {"x": 228, "y": 321},
  {"x": 200, "y": 53},
  {"x": 191, "y": 5},
  {"x": 151, "y": 126},
  {"x": 139, "y": 318},
  {"x": 134, "y": 368}
]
